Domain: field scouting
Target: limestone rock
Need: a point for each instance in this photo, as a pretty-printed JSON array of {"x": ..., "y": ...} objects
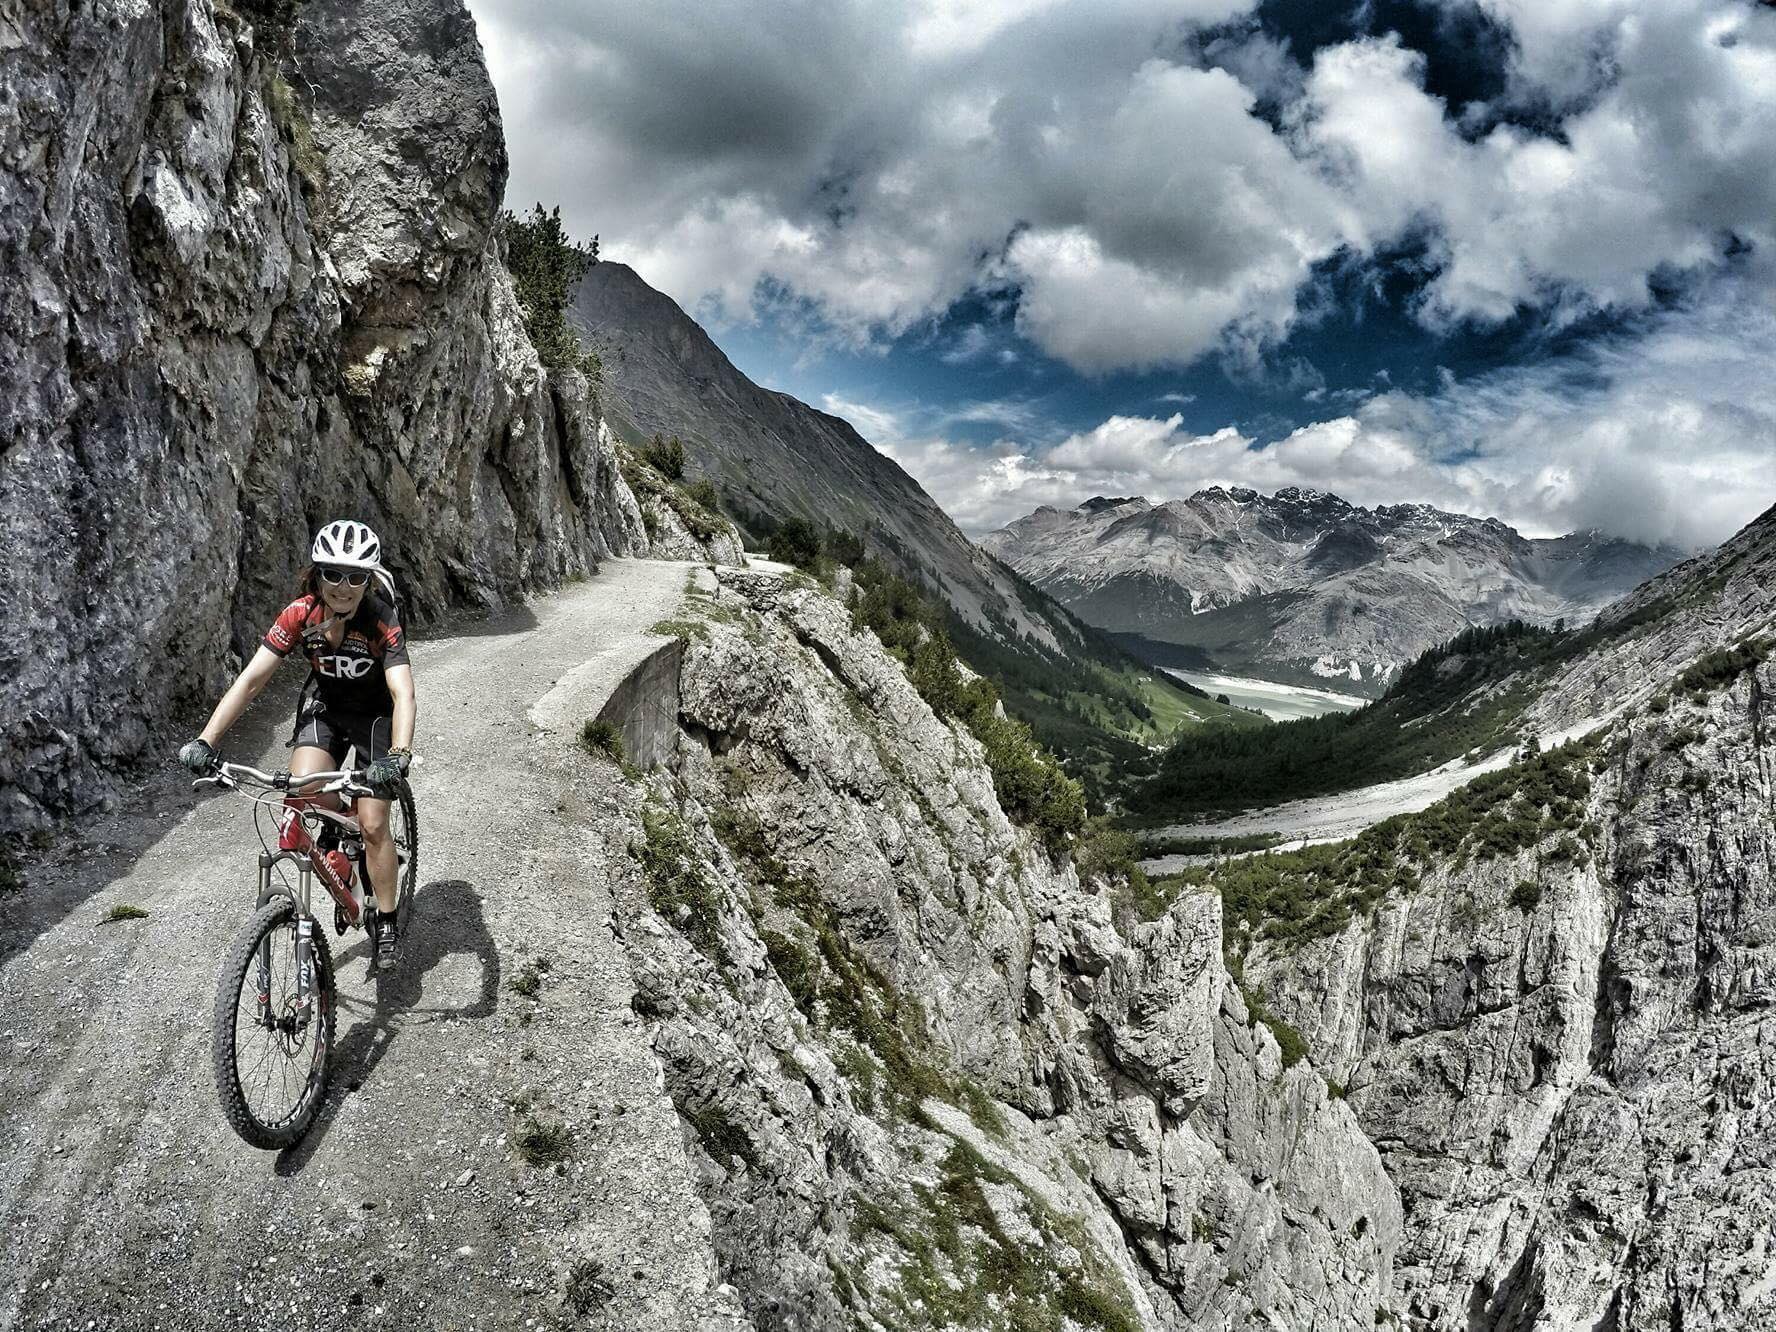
[
  {"x": 899, "y": 1016},
  {"x": 1571, "y": 1088},
  {"x": 252, "y": 284}
]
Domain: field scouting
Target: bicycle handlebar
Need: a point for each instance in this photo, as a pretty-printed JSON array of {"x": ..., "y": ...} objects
[{"x": 230, "y": 775}]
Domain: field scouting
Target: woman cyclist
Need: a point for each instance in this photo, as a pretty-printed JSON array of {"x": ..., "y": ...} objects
[{"x": 359, "y": 692}]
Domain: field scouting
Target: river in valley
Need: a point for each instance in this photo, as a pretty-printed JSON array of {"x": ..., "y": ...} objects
[{"x": 1279, "y": 702}]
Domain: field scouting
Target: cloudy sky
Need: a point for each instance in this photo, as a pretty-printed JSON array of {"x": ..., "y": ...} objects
[{"x": 1513, "y": 257}]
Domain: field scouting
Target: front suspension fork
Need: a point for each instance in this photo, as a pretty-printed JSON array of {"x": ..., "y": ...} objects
[{"x": 304, "y": 946}]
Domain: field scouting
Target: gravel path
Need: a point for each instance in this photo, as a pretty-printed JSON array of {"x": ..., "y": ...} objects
[{"x": 128, "y": 1203}]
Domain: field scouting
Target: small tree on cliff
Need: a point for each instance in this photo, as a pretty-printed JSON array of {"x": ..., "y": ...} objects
[{"x": 545, "y": 264}]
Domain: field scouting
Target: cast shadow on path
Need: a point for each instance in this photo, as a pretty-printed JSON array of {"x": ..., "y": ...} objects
[{"x": 444, "y": 918}]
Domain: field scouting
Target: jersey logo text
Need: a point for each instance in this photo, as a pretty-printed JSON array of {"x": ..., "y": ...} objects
[{"x": 343, "y": 667}]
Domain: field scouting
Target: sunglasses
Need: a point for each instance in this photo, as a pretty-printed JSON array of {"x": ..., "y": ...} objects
[{"x": 350, "y": 577}]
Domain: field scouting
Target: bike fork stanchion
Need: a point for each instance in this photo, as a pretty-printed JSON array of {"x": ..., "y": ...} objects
[
  {"x": 261, "y": 963},
  {"x": 262, "y": 978},
  {"x": 304, "y": 944},
  {"x": 304, "y": 965},
  {"x": 262, "y": 959}
]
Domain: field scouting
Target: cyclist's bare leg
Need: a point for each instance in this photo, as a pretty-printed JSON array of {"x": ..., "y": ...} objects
[
  {"x": 312, "y": 758},
  {"x": 379, "y": 852}
]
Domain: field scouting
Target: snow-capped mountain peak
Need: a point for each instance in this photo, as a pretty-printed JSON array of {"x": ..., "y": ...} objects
[{"x": 1301, "y": 584}]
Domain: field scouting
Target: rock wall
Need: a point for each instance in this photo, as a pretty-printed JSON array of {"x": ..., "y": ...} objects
[
  {"x": 1565, "y": 1053},
  {"x": 932, "y": 1079},
  {"x": 252, "y": 285}
]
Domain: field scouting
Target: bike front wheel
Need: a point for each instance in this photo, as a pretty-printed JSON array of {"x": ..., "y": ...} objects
[
  {"x": 404, "y": 829},
  {"x": 273, "y": 1037}
]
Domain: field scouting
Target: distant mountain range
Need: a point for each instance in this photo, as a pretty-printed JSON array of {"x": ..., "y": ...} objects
[
  {"x": 774, "y": 457},
  {"x": 1301, "y": 586}
]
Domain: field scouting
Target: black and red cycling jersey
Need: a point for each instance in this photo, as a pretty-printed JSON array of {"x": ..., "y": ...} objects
[{"x": 352, "y": 677}]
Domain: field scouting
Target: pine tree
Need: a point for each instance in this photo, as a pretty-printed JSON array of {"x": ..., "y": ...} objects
[{"x": 545, "y": 265}]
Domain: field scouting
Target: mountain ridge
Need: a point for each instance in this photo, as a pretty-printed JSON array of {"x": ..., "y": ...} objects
[
  {"x": 653, "y": 348},
  {"x": 1304, "y": 586},
  {"x": 774, "y": 458}
]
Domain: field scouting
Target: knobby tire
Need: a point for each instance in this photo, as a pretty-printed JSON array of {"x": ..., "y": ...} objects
[
  {"x": 271, "y": 922},
  {"x": 408, "y": 814}
]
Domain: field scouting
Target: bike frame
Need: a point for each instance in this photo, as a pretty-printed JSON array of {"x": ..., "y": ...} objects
[{"x": 296, "y": 845}]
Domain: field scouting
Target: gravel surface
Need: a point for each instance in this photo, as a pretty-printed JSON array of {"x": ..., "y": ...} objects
[{"x": 126, "y": 1200}]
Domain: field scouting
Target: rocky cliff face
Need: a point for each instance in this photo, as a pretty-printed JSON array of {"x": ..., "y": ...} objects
[
  {"x": 1561, "y": 1042},
  {"x": 252, "y": 285},
  {"x": 931, "y": 1079},
  {"x": 1303, "y": 586}
]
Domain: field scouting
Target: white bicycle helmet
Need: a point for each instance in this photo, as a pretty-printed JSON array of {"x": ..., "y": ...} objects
[{"x": 349, "y": 545}]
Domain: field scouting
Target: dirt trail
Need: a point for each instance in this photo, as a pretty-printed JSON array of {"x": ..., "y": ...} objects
[{"x": 127, "y": 1202}]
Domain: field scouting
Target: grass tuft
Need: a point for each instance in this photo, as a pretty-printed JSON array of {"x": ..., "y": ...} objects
[
  {"x": 123, "y": 911},
  {"x": 665, "y": 455},
  {"x": 588, "y": 1289},
  {"x": 678, "y": 885},
  {"x": 603, "y": 739},
  {"x": 1290, "y": 1042},
  {"x": 685, "y": 629},
  {"x": 544, "y": 1144}
]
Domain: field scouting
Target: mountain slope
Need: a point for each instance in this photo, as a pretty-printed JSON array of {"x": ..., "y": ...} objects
[
  {"x": 773, "y": 457},
  {"x": 1302, "y": 586},
  {"x": 1549, "y": 998},
  {"x": 1479, "y": 693}
]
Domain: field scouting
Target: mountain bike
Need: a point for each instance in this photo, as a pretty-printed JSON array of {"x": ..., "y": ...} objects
[{"x": 275, "y": 1001}]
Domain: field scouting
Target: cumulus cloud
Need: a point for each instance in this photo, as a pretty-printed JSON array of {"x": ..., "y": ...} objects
[
  {"x": 1108, "y": 161},
  {"x": 1677, "y": 154},
  {"x": 873, "y": 423},
  {"x": 1141, "y": 183},
  {"x": 1670, "y": 436}
]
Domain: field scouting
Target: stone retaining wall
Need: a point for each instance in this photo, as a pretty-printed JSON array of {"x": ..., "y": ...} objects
[{"x": 644, "y": 707}]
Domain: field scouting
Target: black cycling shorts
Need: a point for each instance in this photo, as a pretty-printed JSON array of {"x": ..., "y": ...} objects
[{"x": 334, "y": 731}]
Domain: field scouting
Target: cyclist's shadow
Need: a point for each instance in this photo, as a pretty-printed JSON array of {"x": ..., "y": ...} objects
[{"x": 445, "y": 918}]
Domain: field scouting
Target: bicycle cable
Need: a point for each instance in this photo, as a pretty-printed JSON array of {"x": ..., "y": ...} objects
[{"x": 262, "y": 804}]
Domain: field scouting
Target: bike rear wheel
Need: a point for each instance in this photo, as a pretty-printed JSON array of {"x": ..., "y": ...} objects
[
  {"x": 404, "y": 828},
  {"x": 271, "y": 1057}
]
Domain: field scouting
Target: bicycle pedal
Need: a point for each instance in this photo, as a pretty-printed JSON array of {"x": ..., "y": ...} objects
[{"x": 340, "y": 923}]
